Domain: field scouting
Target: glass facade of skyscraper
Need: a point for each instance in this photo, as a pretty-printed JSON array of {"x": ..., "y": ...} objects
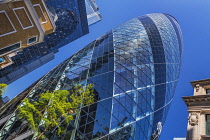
[
  {"x": 93, "y": 15},
  {"x": 134, "y": 69},
  {"x": 71, "y": 23}
]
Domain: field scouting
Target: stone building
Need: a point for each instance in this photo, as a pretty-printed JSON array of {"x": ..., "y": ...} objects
[
  {"x": 199, "y": 111},
  {"x": 23, "y": 23}
]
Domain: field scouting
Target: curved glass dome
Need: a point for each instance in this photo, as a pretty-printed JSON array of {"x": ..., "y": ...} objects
[{"x": 134, "y": 69}]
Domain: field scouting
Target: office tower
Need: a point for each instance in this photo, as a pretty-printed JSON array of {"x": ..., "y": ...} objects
[
  {"x": 134, "y": 69},
  {"x": 198, "y": 127},
  {"x": 93, "y": 15},
  {"x": 71, "y": 23},
  {"x": 23, "y": 23},
  {"x": 3, "y": 101}
]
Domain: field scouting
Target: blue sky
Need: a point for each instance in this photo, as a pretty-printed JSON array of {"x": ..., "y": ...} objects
[{"x": 193, "y": 17}]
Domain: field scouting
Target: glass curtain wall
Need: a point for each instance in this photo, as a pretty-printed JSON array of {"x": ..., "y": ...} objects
[{"x": 134, "y": 69}]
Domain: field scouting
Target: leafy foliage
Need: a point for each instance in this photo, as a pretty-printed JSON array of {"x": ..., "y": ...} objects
[
  {"x": 3, "y": 88},
  {"x": 53, "y": 109}
]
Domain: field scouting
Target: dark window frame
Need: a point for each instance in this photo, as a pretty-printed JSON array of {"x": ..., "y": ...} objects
[
  {"x": 207, "y": 91},
  {"x": 207, "y": 124},
  {"x": 10, "y": 48},
  {"x": 32, "y": 39}
]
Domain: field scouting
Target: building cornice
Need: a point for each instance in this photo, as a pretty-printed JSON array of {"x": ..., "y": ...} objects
[
  {"x": 198, "y": 100},
  {"x": 201, "y": 82}
]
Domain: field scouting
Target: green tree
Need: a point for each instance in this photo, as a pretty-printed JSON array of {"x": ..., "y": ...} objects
[
  {"x": 54, "y": 111},
  {"x": 3, "y": 88}
]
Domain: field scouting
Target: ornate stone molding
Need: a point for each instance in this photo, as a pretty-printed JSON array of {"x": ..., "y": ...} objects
[
  {"x": 193, "y": 118},
  {"x": 197, "y": 86},
  {"x": 199, "y": 100}
]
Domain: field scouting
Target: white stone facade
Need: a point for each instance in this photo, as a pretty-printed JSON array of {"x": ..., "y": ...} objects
[{"x": 198, "y": 107}]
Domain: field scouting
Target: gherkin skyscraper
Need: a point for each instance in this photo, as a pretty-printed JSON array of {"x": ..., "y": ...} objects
[{"x": 134, "y": 69}]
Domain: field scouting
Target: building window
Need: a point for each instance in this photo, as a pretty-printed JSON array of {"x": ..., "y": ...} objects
[
  {"x": 1, "y": 59},
  {"x": 10, "y": 48},
  {"x": 207, "y": 91},
  {"x": 207, "y": 124},
  {"x": 32, "y": 40}
]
